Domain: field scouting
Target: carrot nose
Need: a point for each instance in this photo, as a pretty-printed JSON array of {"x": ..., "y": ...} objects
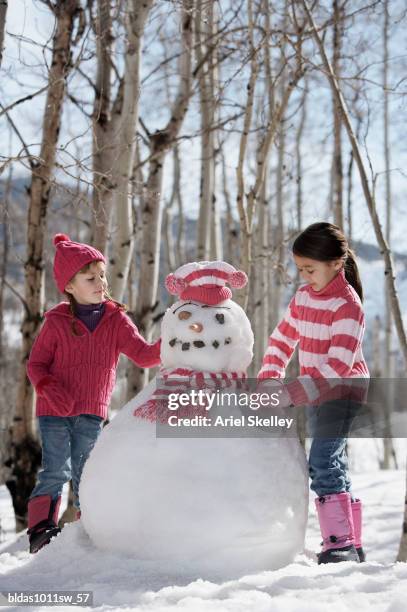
[{"x": 196, "y": 327}]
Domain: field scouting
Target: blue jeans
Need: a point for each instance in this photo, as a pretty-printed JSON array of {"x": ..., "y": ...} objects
[
  {"x": 328, "y": 461},
  {"x": 66, "y": 445},
  {"x": 328, "y": 466}
]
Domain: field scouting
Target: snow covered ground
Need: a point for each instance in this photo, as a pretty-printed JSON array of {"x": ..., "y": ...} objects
[{"x": 119, "y": 582}]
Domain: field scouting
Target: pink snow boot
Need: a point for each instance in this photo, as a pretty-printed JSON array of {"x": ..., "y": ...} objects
[
  {"x": 336, "y": 523},
  {"x": 357, "y": 524},
  {"x": 42, "y": 521}
]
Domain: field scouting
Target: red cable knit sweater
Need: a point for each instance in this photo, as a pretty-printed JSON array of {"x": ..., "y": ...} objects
[
  {"x": 329, "y": 327},
  {"x": 76, "y": 374}
]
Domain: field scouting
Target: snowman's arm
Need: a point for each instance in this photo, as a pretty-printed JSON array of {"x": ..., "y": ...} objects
[
  {"x": 281, "y": 345},
  {"x": 39, "y": 371},
  {"x": 133, "y": 345}
]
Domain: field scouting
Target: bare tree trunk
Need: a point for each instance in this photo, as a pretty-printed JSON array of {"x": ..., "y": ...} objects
[
  {"x": 4, "y": 256},
  {"x": 103, "y": 151},
  {"x": 174, "y": 243},
  {"x": 3, "y": 12},
  {"x": 205, "y": 53},
  {"x": 389, "y": 358},
  {"x": 389, "y": 453},
  {"x": 130, "y": 287},
  {"x": 402, "y": 554},
  {"x": 337, "y": 174},
  {"x": 369, "y": 197},
  {"x": 168, "y": 229},
  {"x": 216, "y": 235},
  {"x": 279, "y": 228},
  {"x": 125, "y": 138},
  {"x": 387, "y": 320},
  {"x": 263, "y": 266},
  {"x": 5, "y": 439},
  {"x": 180, "y": 254},
  {"x": 274, "y": 314},
  {"x": 26, "y": 453},
  {"x": 279, "y": 245},
  {"x": 298, "y": 154},
  {"x": 245, "y": 215},
  {"x": 387, "y": 398},
  {"x": 216, "y": 252},
  {"x": 160, "y": 143},
  {"x": 265, "y": 276},
  {"x": 359, "y": 125},
  {"x": 231, "y": 244},
  {"x": 377, "y": 350},
  {"x": 137, "y": 196}
]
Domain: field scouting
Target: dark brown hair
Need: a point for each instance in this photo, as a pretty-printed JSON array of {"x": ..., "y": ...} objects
[
  {"x": 326, "y": 242},
  {"x": 72, "y": 301}
]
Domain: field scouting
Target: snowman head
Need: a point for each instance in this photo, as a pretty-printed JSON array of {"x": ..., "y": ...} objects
[{"x": 205, "y": 330}]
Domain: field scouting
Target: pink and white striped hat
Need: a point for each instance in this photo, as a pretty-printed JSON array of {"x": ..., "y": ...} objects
[{"x": 205, "y": 281}]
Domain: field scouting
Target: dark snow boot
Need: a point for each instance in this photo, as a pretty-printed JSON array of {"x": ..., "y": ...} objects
[
  {"x": 336, "y": 555},
  {"x": 336, "y": 523},
  {"x": 42, "y": 521},
  {"x": 357, "y": 524}
]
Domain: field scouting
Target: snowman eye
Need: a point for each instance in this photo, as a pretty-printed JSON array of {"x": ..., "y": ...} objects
[
  {"x": 184, "y": 315},
  {"x": 220, "y": 318}
]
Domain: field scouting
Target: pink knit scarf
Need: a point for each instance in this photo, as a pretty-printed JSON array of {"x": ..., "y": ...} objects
[{"x": 183, "y": 380}]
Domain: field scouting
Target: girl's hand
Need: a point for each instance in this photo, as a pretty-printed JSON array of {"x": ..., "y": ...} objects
[
  {"x": 275, "y": 385},
  {"x": 268, "y": 385}
]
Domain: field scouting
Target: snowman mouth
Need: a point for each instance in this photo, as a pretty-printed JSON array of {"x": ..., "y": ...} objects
[{"x": 198, "y": 344}]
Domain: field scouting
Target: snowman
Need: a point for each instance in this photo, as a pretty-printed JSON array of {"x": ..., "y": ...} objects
[{"x": 198, "y": 504}]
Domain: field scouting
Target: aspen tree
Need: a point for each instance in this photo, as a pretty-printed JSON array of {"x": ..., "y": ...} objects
[
  {"x": 3, "y": 13},
  {"x": 337, "y": 170},
  {"x": 124, "y": 148},
  {"x": 25, "y": 450},
  {"x": 205, "y": 55},
  {"x": 104, "y": 120}
]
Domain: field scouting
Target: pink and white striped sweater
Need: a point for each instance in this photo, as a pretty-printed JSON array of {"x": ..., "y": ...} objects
[{"x": 328, "y": 325}]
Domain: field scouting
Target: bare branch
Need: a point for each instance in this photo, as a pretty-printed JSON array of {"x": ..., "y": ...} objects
[
  {"x": 17, "y": 294},
  {"x": 22, "y": 100},
  {"x": 18, "y": 133}
]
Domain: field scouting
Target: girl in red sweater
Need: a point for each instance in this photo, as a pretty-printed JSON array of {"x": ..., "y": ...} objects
[
  {"x": 72, "y": 366},
  {"x": 325, "y": 318}
]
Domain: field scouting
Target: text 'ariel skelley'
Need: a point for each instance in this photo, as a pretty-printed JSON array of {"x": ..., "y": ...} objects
[{"x": 242, "y": 421}]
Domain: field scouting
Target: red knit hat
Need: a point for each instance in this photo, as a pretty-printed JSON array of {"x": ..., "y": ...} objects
[
  {"x": 205, "y": 281},
  {"x": 70, "y": 257}
]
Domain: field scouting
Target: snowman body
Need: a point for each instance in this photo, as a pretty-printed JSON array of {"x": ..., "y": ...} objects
[{"x": 205, "y": 505}]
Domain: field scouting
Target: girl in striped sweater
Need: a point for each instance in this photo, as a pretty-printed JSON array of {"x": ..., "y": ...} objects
[{"x": 325, "y": 318}]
